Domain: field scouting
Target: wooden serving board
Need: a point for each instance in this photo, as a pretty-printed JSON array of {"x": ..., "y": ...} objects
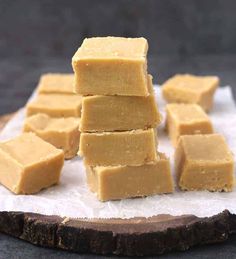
[{"x": 133, "y": 237}]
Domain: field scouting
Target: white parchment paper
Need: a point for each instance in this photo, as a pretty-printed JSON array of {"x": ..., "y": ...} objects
[{"x": 72, "y": 197}]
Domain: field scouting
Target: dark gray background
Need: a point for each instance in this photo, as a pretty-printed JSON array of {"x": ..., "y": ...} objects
[
  {"x": 173, "y": 27},
  {"x": 194, "y": 36}
]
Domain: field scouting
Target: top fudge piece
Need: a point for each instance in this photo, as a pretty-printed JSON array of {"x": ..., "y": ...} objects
[
  {"x": 29, "y": 164},
  {"x": 204, "y": 162},
  {"x": 111, "y": 66},
  {"x": 56, "y": 83},
  {"x": 191, "y": 89}
]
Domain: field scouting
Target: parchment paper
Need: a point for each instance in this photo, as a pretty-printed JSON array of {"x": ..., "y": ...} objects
[{"x": 72, "y": 197}]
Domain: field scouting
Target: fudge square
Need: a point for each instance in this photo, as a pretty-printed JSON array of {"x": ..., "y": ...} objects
[
  {"x": 187, "y": 88},
  {"x": 135, "y": 147},
  {"x": 186, "y": 119},
  {"x": 120, "y": 182},
  {"x": 56, "y": 105},
  {"x": 53, "y": 83},
  {"x": 111, "y": 66},
  {"x": 117, "y": 113},
  {"x": 204, "y": 162},
  {"x": 63, "y": 133},
  {"x": 29, "y": 164}
]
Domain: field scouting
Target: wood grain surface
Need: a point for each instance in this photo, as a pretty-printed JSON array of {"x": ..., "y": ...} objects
[{"x": 133, "y": 237}]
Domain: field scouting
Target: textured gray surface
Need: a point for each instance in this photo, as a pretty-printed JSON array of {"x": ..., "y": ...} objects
[
  {"x": 57, "y": 27},
  {"x": 13, "y": 248}
]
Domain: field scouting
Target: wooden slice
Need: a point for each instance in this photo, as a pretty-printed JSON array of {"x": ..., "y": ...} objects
[{"x": 133, "y": 237}]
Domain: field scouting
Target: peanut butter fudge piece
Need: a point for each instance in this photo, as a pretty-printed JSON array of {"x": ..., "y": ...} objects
[
  {"x": 191, "y": 89},
  {"x": 53, "y": 83},
  {"x": 120, "y": 182},
  {"x": 56, "y": 105},
  {"x": 111, "y": 66},
  {"x": 186, "y": 119},
  {"x": 62, "y": 133},
  {"x": 204, "y": 162},
  {"x": 116, "y": 113},
  {"x": 135, "y": 147},
  {"x": 29, "y": 164}
]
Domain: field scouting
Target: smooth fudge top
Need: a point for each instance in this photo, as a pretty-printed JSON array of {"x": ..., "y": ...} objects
[
  {"x": 192, "y": 82},
  {"x": 44, "y": 123},
  {"x": 28, "y": 149},
  {"x": 112, "y": 48},
  {"x": 56, "y": 83},
  {"x": 206, "y": 148},
  {"x": 187, "y": 113}
]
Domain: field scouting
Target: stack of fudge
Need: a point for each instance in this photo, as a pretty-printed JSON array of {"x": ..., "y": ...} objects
[
  {"x": 54, "y": 115},
  {"x": 118, "y": 120}
]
